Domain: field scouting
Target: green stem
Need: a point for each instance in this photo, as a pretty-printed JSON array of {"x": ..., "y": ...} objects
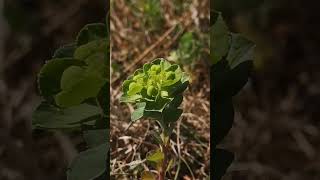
[{"x": 165, "y": 150}]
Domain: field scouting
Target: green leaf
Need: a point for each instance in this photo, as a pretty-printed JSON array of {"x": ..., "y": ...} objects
[
  {"x": 51, "y": 73},
  {"x": 147, "y": 175},
  {"x": 71, "y": 76},
  {"x": 222, "y": 119},
  {"x": 219, "y": 39},
  {"x": 241, "y": 50},
  {"x": 66, "y": 51},
  {"x": 47, "y": 116},
  {"x": 130, "y": 99},
  {"x": 92, "y": 32},
  {"x": 138, "y": 112},
  {"x": 226, "y": 82},
  {"x": 178, "y": 88},
  {"x": 221, "y": 161},
  {"x": 156, "y": 157},
  {"x": 134, "y": 88},
  {"x": 176, "y": 102},
  {"x": 91, "y": 48},
  {"x": 97, "y": 137},
  {"x": 171, "y": 114},
  {"x": 89, "y": 86},
  {"x": 89, "y": 164},
  {"x": 163, "y": 63}
]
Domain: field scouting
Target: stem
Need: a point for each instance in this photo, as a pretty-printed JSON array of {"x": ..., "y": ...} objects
[{"x": 163, "y": 167}]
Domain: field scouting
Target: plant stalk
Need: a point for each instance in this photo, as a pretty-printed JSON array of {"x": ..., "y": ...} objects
[{"x": 165, "y": 150}]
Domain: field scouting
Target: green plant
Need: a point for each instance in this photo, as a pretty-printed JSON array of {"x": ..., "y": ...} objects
[
  {"x": 188, "y": 50},
  {"x": 231, "y": 57},
  {"x": 74, "y": 85},
  {"x": 157, "y": 91},
  {"x": 150, "y": 12}
]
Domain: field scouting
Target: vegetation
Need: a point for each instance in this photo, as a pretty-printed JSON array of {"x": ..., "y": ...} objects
[
  {"x": 74, "y": 86},
  {"x": 231, "y": 55},
  {"x": 157, "y": 89}
]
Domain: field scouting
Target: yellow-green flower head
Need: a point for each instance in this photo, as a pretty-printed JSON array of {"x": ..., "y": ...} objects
[{"x": 156, "y": 80}]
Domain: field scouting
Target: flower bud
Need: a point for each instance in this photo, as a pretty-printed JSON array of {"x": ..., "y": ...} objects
[
  {"x": 152, "y": 91},
  {"x": 155, "y": 68}
]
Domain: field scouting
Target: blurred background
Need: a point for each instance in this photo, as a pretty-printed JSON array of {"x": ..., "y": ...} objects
[
  {"x": 276, "y": 132},
  {"x": 178, "y": 30},
  {"x": 30, "y": 31}
]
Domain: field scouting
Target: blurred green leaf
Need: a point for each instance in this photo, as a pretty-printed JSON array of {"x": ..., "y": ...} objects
[
  {"x": 89, "y": 164},
  {"x": 222, "y": 119},
  {"x": 92, "y": 32},
  {"x": 219, "y": 39},
  {"x": 92, "y": 47},
  {"x": 71, "y": 76},
  {"x": 97, "y": 137},
  {"x": 51, "y": 73},
  {"x": 241, "y": 50},
  {"x": 89, "y": 86},
  {"x": 47, "y": 116},
  {"x": 65, "y": 51}
]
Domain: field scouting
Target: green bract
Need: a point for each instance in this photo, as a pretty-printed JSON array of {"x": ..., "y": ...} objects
[{"x": 155, "y": 88}]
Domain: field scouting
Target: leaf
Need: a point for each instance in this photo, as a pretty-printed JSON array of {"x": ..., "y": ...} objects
[
  {"x": 66, "y": 51},
  {"x": 226, "y": 82},
  {"x": 51, "y": 73},
  {"x": 92, "y": 32},
  {"x": 176, "y": 102},
  {"x": 131, "y": 98},
  {"x": 71, "y": 76},
  {"x": 156, "y": 157},
  {"x": 221, "y": 120},
  {"x": 178, "y": 88},
  {"x": 91, "y": 48},
  {"x": 97, "y": 137},
  {"x": 219, "y": 40},
  {"x": 134, "y": 88},
  {"x": 89, "y": 164},
  {"x": 104, "y": 99},
  {"x": 138, "y": 112},
  {"x": 171, "y": 114},
  {"x": 47, "y": 116},
  {"x": 147, "y": 175},
  {"x": 241, "y": 50},
  {"x": 89, "y": 86},
  {"x": 221, "y": 161}
]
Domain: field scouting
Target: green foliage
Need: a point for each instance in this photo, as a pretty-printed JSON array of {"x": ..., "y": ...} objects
[
  {"x": 156, "y": 156},
  {"x": 151, "y": 13},
  {"x": 188, "y": 50},
  {"x": 89, "y": 164},
  {"x": 47, "y": 116},
  {"x": 219, "y": 40},
  {"x": 75, "y": 86},
  {"x": 156, "y": 90},
  {"x": 231, "y": 58}
]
